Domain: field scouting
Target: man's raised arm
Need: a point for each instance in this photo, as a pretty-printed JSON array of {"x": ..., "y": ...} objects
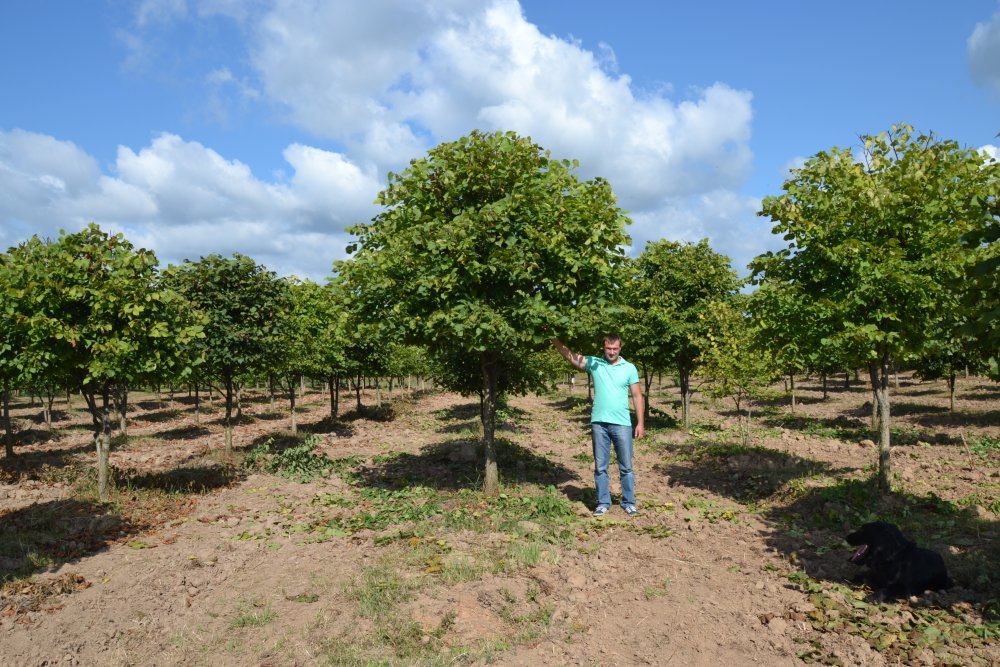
[{"x": 577, "y": 360}]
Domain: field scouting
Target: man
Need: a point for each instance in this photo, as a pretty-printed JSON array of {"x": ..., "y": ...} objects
[{"x": 610, "y": 422}]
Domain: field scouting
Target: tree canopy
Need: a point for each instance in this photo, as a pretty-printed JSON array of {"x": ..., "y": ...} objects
[
  {"x": 487, "y": 245},
  {"x": 874, "y": 243}
]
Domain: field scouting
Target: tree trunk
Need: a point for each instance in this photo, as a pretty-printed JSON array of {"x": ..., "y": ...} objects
[
  {"x": 685, "y": 377},
  {"x": 270, "y": 389},
  {"x": 228, "y": 422},
  {"x": 101, "y": 417},
  {"x": 880, "y": 380},
  {"x": 239, "y": 399},
  {"x": 746, "y": 434},
  {"x": 291, "y": 399},
  {"x": 357, "y": 392},
  {"x": 8, "y": 428},
  {"x": 121, "y": 394},
  {"x": 103, "y": 442},
  {"x": 197, "y": 405},
  {"x": 791, "y": 384},
  {"x": 489, "y": 365},
  {"x": 334, "y": 384},
  {"x": 647, "y": 380},
  {"x": 847, "y": 379},
  {"x": 378, "y": 392},
  {"x": 951, "y": 391},
  {"x": 50, "y": 399},
  {"x": 826, "y": 393}
]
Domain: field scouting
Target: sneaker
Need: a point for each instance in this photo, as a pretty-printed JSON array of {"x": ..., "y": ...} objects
[
  {"x": 601, "y": 510},
  {"x": 631, "y": 510}
]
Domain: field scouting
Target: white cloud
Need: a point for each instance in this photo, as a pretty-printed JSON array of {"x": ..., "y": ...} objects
[
  {"x": 729, "y": 221},
  {"x": 386, "y": 80},
  {"x": 983, "y": 50},
  {"x": 990, "y": 150},
  {"x": 391, "y": 79},
  {"x": 184, "y": 200}
]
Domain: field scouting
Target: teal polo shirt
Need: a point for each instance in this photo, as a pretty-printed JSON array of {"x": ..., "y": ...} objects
[{"x": 611, "y": 389}]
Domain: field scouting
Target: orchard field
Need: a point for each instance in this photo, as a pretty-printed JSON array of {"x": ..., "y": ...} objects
[{"x": 369, "y": 540}]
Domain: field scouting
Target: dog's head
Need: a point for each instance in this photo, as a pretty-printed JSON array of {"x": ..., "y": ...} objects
[{"x": 878, "y": 541}]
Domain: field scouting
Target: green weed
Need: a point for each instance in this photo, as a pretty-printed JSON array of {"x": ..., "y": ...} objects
[
  {"x": 299, "y": 462},
  {"x": 253, "y": 615}
]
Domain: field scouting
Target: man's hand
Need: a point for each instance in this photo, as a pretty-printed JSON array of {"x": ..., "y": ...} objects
[{"x": 640, "y": 431}]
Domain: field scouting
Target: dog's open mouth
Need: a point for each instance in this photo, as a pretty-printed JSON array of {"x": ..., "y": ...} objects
[{"x": 859, "y": 553}]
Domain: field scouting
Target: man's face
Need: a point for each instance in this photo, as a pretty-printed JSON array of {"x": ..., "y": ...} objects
[{"x": 612, "y": 350}]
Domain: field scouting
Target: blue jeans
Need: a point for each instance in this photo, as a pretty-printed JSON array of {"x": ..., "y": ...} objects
[{"x": 604, "y": 435}]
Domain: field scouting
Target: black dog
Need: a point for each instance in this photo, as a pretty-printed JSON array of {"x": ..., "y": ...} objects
[{"x": 897, "y": 568}]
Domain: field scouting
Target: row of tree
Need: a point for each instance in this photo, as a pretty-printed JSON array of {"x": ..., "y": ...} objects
[
  {"x": 488, "y": 247},
  {"x": 90, "y": 313}
]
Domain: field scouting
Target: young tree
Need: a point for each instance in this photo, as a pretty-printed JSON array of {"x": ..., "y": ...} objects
[
  {"x": 980, "y": 286},
  {"x": 875, "y": 239},
  {"x": 665, "y": 300},
  {"x": 734, "y": 359},
  {"x": 98, "y": 315},
  {"x": 243, "y": 303},
  {"x": 485, "y": 246}
]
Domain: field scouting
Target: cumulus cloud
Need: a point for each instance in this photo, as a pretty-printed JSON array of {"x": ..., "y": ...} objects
[
  {"x": 433, "y": 72},
  {"x": 728, "y": 220},
  {"x": 983, "y": 49},
  {"x": 185, "y": 200},
  {"x": 381, "y": 82}
]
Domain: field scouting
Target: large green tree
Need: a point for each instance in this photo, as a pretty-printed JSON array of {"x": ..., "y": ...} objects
[
  {"x": 245, "y": 306},
  {"x": 96, "y": 314},
  {"x": 485, "y": 246},
  {"x": 981, "y": 285},
  {"x": 874, "y": 237},
  {"x": 669, "y": 291}
]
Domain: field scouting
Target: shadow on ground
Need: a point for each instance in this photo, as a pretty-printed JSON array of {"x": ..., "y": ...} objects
[
  {"x": 459, "y": 464},
  {"x": 810, "y": 506},
  {"x": 53, "y": 533},
  {"x": 51, "y": 465}
]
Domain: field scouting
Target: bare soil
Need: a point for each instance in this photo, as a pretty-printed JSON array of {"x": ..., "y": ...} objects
[{"x": 737, "y": 557}]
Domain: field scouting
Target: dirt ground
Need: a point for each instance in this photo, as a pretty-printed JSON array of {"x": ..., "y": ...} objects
[{"x": 393, "y": 557}]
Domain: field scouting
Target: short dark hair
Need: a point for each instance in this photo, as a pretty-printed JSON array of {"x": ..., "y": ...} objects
[{"x": 612, "y": 338}]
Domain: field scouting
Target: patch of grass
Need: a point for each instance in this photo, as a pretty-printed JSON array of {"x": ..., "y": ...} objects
[
  {"x": 456, "y": 571},
  {"x": 253, "y": 615},
  {"x": 379, "y": 591},
  {"x": 656, "y": 591},
  {"x": 709, "y": 510}
]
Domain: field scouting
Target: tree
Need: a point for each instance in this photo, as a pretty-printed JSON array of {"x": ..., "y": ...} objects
[
  {"x": 100, "y": 319},
  {"x": 243, "y": 303},
  {"x": 325, "y": 334},
  {"x": 980, "y": 286},
  {"x": 734, "y": 359},
  {"x": 665, "y": 301},
  {"x": 875, "y": 239},
  {"x": 485, "y": 246}
]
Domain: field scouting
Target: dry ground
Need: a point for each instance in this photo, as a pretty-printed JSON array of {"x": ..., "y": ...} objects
[{"x": 391, "y": 556}]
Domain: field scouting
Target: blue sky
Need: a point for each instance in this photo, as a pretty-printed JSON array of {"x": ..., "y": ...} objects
[{"x": 267, "y": 127}]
